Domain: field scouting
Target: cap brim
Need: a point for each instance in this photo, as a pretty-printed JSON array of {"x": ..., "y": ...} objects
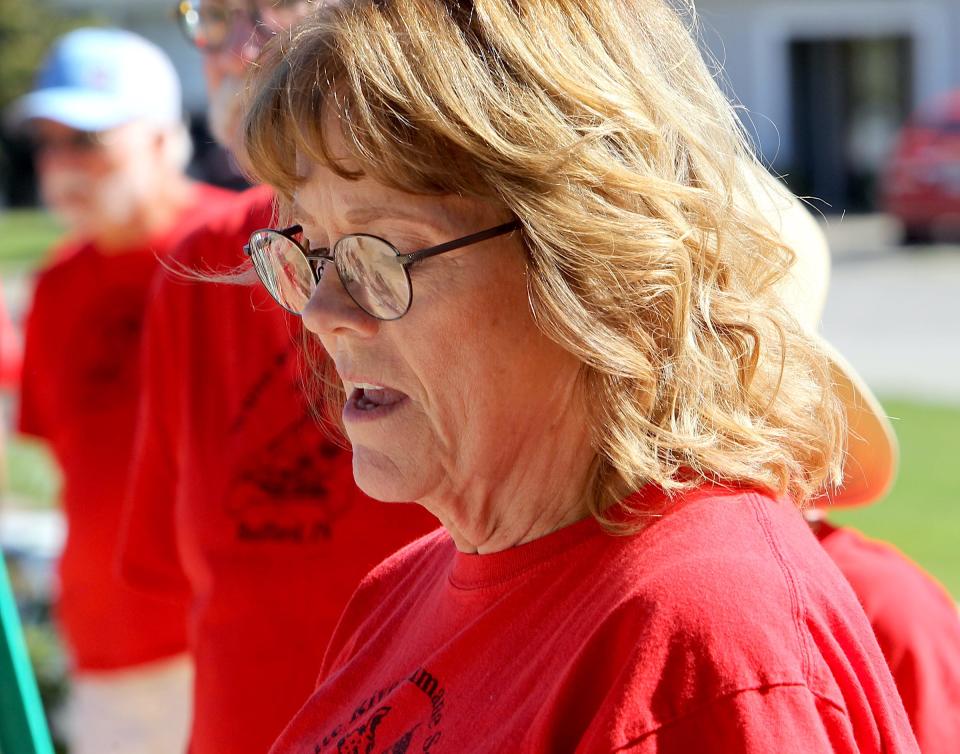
[
  {"x": 82, "y": 110},
  {"x": 872, "y": 453}
]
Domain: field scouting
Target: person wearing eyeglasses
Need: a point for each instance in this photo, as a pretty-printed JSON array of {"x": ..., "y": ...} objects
[
  {"x": 239, "y": 504},
  {"x": 587, "y": 369},
  {"x": 111, "y": 148}
]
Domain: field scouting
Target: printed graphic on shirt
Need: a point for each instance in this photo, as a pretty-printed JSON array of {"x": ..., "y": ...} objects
[
  {"x": 406, "y": 716},
  {"x": 105, "y": 347},
  {"x": 288, "y": 475}
]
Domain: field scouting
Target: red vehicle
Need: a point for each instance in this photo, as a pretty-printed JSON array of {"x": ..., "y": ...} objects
[{"x": 921, "y": 184}]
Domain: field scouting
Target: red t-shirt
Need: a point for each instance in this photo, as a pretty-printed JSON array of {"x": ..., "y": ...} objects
[
  {"x": 722, "y": 627},
  {"x": 80, "y": 393},
  {"x": 917, "y": 627},
  {"x": 239, "y": 502}
]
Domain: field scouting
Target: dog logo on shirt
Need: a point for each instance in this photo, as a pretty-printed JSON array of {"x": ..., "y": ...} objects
[
  {"x": 418, "y": 702},
  {"x": 362, "y": 739}
]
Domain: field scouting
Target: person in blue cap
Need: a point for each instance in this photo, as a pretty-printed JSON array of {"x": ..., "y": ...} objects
[{"x": 111, "y": 148}]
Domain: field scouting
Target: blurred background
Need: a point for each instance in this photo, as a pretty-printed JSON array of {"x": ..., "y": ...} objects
[{"x": 856, "y": 103}]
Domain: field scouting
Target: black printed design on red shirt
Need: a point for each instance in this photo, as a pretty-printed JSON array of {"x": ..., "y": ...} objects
[
  {"x": 105, "y": 342},
  {"x": 285, "y": 489},
  {"x": 406, "y": 716}
]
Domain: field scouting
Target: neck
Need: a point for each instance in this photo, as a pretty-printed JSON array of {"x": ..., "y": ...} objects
[
  {"x": 151, "y": 218},
  {"x": 540, "y": 493}
]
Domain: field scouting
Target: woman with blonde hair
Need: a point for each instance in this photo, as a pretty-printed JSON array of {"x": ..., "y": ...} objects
[{"x": 524, "y": 232}]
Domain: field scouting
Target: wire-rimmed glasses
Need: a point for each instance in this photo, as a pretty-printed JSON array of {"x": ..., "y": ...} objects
[{"x": 373, "y": 272}]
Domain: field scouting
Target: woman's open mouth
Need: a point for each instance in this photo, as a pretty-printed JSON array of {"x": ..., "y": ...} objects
[{"x": 367, "y": 402}]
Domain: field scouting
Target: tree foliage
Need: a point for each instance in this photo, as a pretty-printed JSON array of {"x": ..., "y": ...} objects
[{"x": 27, "y": 29}]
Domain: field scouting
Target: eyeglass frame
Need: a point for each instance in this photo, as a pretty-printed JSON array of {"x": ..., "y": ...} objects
[
  {"x": 405, "y": 260},
  {"x": 253, "y": 17},
  {"x": 79, "y": 141}
]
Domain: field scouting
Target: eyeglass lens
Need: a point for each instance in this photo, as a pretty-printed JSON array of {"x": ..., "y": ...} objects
[
  {"x": 373, "y": 276},
  {"x": 368, "y": 268},
  {"x": 283, "y": 270}
]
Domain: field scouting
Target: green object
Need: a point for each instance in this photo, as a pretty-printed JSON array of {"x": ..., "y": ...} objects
[
  {"x": 26, "y": 237},
  {"x": 23, "y": 727}
]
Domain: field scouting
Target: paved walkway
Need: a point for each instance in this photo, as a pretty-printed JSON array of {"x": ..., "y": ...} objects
[{"x": 895, "y": 312}]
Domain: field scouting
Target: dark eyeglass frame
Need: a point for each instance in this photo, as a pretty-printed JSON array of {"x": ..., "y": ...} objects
[
  {"x": 315, "y": 260},
  {"x": 77, "y": 141}
]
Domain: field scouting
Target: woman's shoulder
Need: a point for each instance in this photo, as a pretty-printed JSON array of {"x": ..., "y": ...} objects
[
  {"x": 709, "y": 536},
  {"x": 729, "y": 596},
  {"x": 719, "y": 570},
  {"x": 732, "y": 584}
]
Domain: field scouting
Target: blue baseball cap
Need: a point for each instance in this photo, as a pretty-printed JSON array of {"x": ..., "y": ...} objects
[{"x": 96, "y": 79}]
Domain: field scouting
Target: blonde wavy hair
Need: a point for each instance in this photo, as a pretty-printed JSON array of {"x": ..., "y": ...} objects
[{"x": 599, "y": 125}]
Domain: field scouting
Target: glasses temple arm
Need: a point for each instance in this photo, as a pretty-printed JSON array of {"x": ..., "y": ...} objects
[{"x": 458, "y": 243}]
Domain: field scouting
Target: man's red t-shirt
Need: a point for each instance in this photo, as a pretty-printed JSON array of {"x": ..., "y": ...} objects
[
  {"x": 239, "y": 502},
  {"x": 80, "y": 393},
  {"x": 917, "y": 626},
  {"x": 722, "y": 627}
]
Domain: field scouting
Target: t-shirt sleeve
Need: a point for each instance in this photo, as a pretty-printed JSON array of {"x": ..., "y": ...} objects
[
  {"x": 148, "y": 556},
  {"x": 788, "y": 719},
  {"x": 34, "y": 409}
]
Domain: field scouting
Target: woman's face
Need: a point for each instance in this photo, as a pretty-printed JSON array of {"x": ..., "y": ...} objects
[{"x": 471, "y": 387}]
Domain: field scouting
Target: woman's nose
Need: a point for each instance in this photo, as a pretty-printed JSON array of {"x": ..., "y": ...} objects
[{"x": 331, "y": 311}]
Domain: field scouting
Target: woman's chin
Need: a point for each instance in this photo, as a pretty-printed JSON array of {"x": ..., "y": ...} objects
[{"x": 380, "y": 478}]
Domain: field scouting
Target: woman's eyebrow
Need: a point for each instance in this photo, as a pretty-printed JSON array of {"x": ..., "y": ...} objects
[
  {"x": 360, "y": 216},
  {"x": 368, "y": 213}
]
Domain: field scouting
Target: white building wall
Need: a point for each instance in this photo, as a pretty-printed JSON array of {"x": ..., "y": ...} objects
[
  {"x": 753, "y": 37},
  {"x": 750, "y": 37}
]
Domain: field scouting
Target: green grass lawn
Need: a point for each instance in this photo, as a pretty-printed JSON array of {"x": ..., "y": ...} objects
[
  {"x": 33, "y": 479},
  {"x": 25, "y": 236}
]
